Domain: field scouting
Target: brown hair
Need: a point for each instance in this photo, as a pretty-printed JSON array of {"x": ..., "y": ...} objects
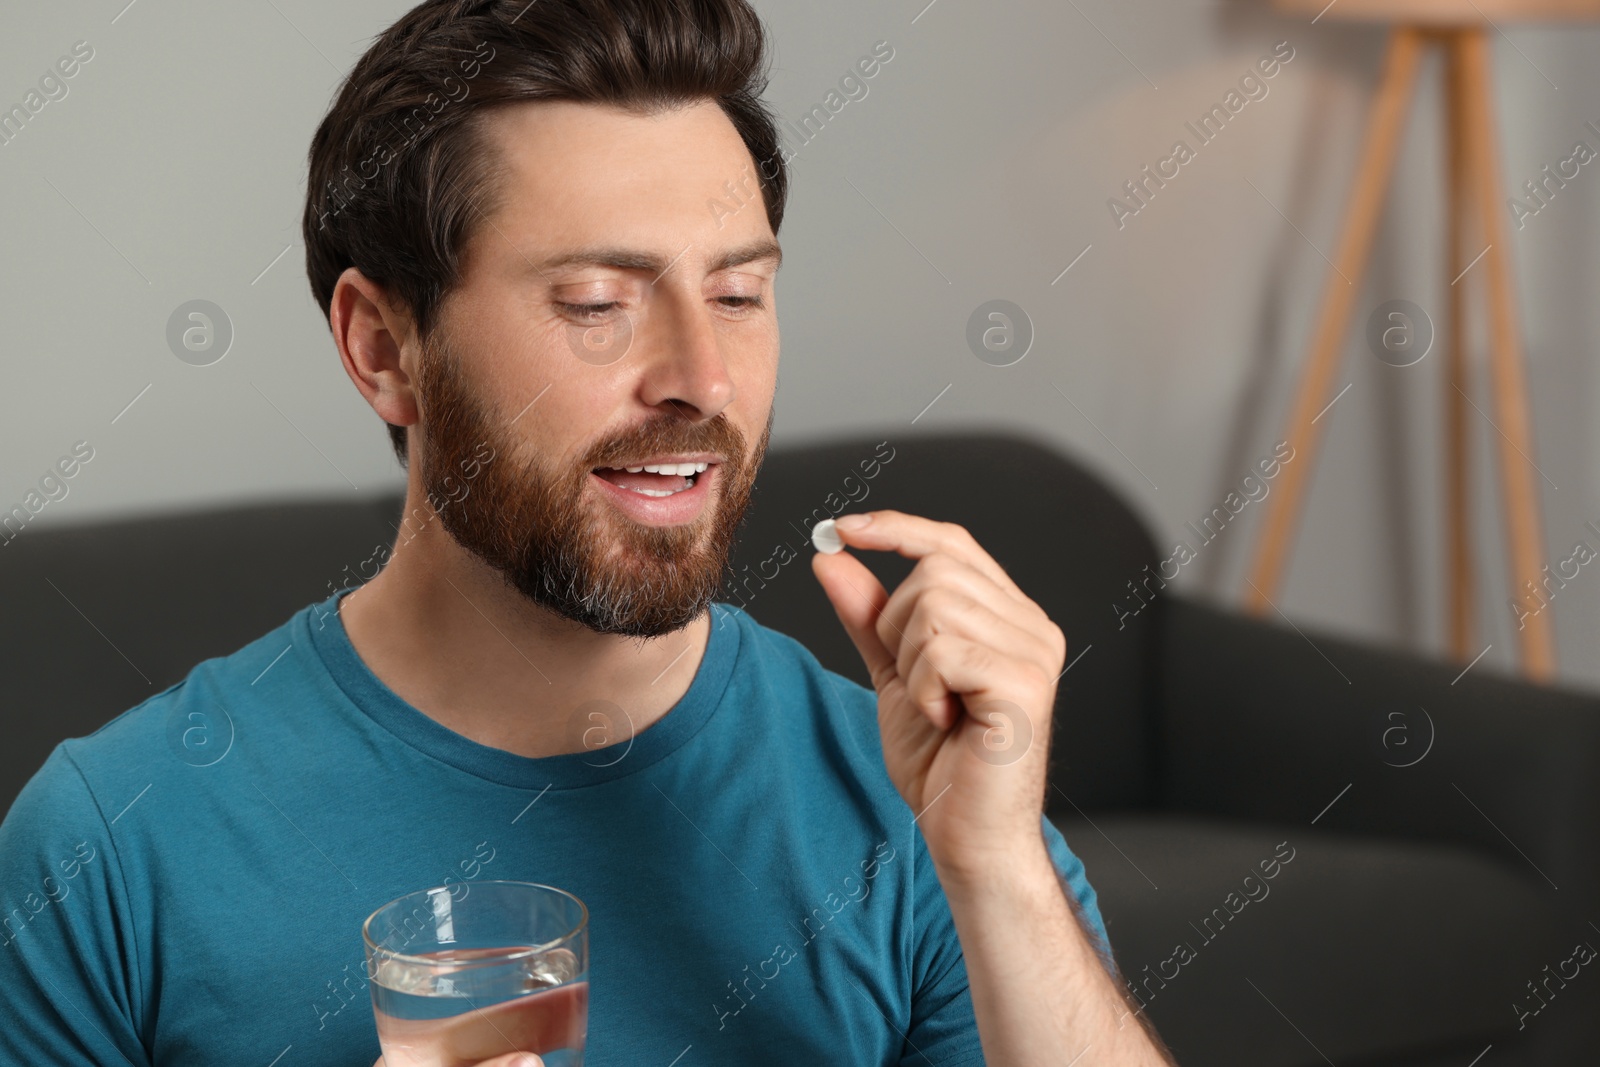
[{"x": 399, "y": 171}]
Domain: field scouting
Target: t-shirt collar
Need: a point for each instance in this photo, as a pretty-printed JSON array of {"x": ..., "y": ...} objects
[{"x": 323, "y": 630}]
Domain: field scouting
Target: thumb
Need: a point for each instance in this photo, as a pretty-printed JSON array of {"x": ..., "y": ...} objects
[{"x": 858, "y": 599}]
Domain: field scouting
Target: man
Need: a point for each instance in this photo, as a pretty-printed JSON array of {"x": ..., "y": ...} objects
[{"x": 577, "y": 361}]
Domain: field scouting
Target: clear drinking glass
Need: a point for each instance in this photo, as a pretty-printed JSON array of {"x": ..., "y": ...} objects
[{"x": 456, "y": 980}]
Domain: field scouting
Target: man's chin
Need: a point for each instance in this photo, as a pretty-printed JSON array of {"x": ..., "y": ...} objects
[
  {"x": 631, "y": 578},
  {"x": 640, "y": 609}
]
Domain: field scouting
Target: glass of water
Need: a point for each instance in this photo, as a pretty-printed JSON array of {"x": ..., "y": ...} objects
[{"x": 456, "y": 980}]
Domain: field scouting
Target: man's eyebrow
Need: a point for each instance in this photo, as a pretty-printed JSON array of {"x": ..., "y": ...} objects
[
  {"x": 751, "y": 253},
  {"x": 632, "y": 259}
]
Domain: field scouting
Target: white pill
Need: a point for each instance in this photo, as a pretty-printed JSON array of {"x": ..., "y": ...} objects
[{"x": 826, "y": 537}]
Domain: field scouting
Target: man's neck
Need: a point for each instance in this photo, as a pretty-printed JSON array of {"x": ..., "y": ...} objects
[{"x": 444, "y": 632}]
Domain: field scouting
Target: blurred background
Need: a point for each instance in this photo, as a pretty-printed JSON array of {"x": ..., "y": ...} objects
[{"x": 978, "y": 166}]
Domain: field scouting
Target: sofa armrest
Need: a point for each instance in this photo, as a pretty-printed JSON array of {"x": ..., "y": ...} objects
[{"x": 1260, "y": 722}]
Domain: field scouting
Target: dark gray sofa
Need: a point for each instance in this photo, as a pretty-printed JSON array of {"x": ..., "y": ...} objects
[{"x": 1431, "y": 839}]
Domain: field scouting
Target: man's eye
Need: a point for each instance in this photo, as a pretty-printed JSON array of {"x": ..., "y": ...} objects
[
  {"x": 588, "y": 311},
  {"x": 741, "y": 301}
]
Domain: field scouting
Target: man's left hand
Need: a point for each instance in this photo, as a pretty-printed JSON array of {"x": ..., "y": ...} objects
[{"x": 965, "y": 667}]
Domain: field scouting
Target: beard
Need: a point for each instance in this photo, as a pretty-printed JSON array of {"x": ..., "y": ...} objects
[{"x": 546, "y": 533}]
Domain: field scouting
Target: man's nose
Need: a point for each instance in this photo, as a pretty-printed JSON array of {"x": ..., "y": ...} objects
[{"x": 685, "y": 364}]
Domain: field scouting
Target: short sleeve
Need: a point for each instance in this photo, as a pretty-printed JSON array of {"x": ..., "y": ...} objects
[
  {"x": 66, "y": 940},
  {"x": 1070, "y": 867},
  {"x": 943, "y": 1028}
]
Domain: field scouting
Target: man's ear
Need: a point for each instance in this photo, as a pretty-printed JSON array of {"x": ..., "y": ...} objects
[{"x": 377, "y": 345}]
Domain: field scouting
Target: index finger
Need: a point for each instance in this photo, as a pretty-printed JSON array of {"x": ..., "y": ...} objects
[{"x": 914, "y": 537}]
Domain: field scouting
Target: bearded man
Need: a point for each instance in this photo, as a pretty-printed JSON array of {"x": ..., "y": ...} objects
[{"x": 507, "y": 227}]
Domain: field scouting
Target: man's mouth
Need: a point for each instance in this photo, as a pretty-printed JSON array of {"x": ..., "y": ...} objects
[{"x": 654, "y": 479}]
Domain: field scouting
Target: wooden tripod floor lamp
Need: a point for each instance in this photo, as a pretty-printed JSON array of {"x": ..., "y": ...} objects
[{"x": 1461, "y": 28}]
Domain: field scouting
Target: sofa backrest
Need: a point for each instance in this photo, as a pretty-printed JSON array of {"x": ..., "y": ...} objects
[{"x": 97, "y": 618}]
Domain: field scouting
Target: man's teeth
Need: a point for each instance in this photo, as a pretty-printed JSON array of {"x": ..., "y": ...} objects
[
  {"x": 688, "y": 471},
  {"x": 684, "y": 469}
]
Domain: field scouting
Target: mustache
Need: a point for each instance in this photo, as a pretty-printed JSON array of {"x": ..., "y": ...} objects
[{"x": 671, "y": 433}]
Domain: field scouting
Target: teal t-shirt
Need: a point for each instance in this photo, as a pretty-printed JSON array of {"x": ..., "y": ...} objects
[{"x": 186, "y": 885}]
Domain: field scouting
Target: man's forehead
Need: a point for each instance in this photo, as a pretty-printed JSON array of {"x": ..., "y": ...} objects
[{"x": 596, "y": 185}]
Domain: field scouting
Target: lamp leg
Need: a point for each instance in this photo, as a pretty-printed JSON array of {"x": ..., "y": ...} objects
[
  {"x": 1515, "y": 431},
  {"x": 1462, "y": 606},
  {"x": 1385, "y": 122}
]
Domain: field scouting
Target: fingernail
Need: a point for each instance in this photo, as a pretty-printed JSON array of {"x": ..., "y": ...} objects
[
  {"x": 852, "y": 522},
  {"x": 527, "y": 1061}
]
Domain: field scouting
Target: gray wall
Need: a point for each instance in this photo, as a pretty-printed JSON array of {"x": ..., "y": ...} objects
[{"x": 978, "y": 166}]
